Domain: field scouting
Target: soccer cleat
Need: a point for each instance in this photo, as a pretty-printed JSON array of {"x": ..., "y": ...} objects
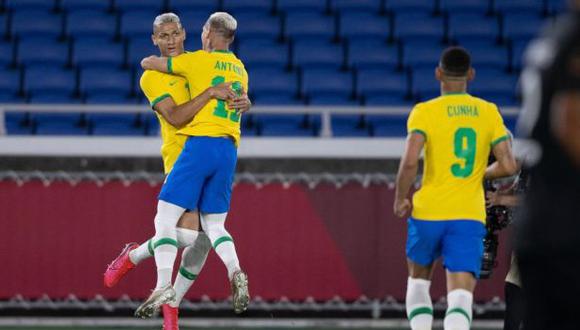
[
  {"x": 119, "y": 267},
  {"x": 240, "y": 293},
  {"x": 170, "y": 317},
  {"x": 157, "y": 298}
]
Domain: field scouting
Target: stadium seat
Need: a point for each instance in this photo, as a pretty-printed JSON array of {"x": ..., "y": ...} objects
[
  {"x": 273, "y": 82},
  {"x": 193, "y": 21},
  {"x": 309, "y": 24},
  {"x": 327, "y": 83},
  {"x": 319, "y": 53},
  {"x": 140, "y": 46},
  {"x": 358, "y": 24},
  {"x": 9, "y": 97},
  {"x": 249, "y": 131},
  {"x": 6, "y": 54},
  {"x": 466, "y": 6},
  {"x": 388, "y": 126},
  {"x": 50, "y": 97},
  {"x": 425, "y": 86},
  {"x": 4, "y": 25},
  {"x": 517, "y": 53},
  {"x": 487, "y": 54},
  {"x": 332, "y": 98},
  {"x": 58, "y": 124},
  {"x": 116, "y": 124},
  {"x": 424, "y": 25},
  {"x": 376, "y": 6},
  {"x": 288, "y": 6},
  {"x": 105, "y": 82},
  {"x": 422, "y": 53},
  {"x": 260, "y": 52},
  {"x": 530, "y": 7},
  {"x": 284, "y": 125},
  {"x": 473, "y": 25},
  {"x": 10, "y": 82},
  {"x": 136, "y": 23},
  {"x": 43, "y": 51},
  {"x": 17, "y": 123},
  {"x": 24, "y": 5},
  {"x": 46, "y": 24},
  {"x": 258, "y": 25},
  {"x": 521, "y": 26},
  {"x": 387, "y": 100},
  {"x": 110, "y": 97},
  {"x": 127, "y": 6},
  {"x": 349, "y": 126},
  {"x": 90, "y": 23},
  {"x": 206, "y": 6},
  {"x": 49, "y": 79},
  {"x": 556, "y": 7},
  {"x": 494, "y": 82},
  {"x": 152, "y": 127},
  {"x": 94, "y": 5},
  {"x": 97, "y": 51},
  {"x": 381, "y": 82},
  {"x": 411, "y": 6},
  {"x": 284, "y": 98},
  {"x": 247, "y": 6},
  {"x": 367, "y": 53}
]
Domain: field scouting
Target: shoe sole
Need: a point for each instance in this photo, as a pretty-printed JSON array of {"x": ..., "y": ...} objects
[
  {"x": 241, "y": 297},
  {"x": 150, "y": 308}
]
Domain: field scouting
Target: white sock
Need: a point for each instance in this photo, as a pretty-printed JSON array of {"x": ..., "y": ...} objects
[
  {"x": 459, "y": 314},
  {"x": 165, "y": 241},
  {"x": 192, "y": 261},
  {"x": 418, "y": 304},
  {"x": 186, "y": 237},
  {"x": 141, "y": 253},
  {"x": 222, "y": 241}
]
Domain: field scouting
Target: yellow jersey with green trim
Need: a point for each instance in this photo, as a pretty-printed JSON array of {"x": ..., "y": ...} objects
[
  {"x": 204, "y": 69},
  {"x": 459, "y": 131},
  {"x": 158, "y": 86}
]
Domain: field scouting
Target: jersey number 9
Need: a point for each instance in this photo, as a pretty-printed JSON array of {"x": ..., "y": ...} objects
[{"x": 464, "y": 148}]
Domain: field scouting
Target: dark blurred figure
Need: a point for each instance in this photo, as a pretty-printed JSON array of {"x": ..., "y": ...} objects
[{"x": 548, "y": 233}]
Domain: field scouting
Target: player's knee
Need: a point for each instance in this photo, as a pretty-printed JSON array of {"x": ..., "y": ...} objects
[{"x": 214, "y": 225}]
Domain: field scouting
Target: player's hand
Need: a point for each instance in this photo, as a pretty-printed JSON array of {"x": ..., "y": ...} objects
[
  {"x": 222, "y": 91},
  {"x": 147, "y": 62},
  {"x": 242, "y": 104},
  {"x": 492, "y": 198},
  {"x": 402, "y": 207}
]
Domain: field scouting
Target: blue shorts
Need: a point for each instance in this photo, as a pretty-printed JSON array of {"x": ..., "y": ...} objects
[
  {"x": 460, "y": 242},
  {"x": 202, "y": 176}
]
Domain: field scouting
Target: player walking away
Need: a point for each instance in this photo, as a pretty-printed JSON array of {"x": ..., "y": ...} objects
[
  {"x": 457, "y": 131},
  {"x": 548, "y": 236},
  {"x": 169, "y": 97},
  {"x": 203, "y": 174}
]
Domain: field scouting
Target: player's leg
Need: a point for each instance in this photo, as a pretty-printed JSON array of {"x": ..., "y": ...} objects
[
  {"x": 462, "y": 254},
  {"x": 423, "y": 248}
]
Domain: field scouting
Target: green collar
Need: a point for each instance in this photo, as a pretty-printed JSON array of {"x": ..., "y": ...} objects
[
  {"x": 221, "y": 51},
  {"x": 454, "y": 93}
]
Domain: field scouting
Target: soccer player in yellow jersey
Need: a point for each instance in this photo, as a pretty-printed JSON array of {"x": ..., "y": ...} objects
[
  {"x": 203, "y": 174},
  {"x": 457, "y": 131}
]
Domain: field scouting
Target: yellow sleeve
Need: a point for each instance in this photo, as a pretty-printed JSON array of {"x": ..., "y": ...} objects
[
  {"x": 182, "y": 64},
  {"x": 152, "y": 89},
  {"x": 499, "y": 131},
  {"x": 417, "y": 122}
]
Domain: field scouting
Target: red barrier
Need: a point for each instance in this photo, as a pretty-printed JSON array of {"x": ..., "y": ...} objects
[{"x": 294, "y": 242}]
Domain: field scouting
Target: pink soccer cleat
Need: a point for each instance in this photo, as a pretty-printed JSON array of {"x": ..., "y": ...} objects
[
  {"x": 119, "y": 267},
  {"x": 170, "y": 317}
]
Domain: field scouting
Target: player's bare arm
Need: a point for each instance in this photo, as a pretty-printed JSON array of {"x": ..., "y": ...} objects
[
  {"x": 494, "y": 198},
  {"x": 180, "y": 115},
  {"x": 156, "y": 63},
  {"x": 505, "y": 164},
  {"x": 407, "y": 173}
]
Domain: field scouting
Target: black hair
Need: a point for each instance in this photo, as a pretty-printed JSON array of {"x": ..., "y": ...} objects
[{"x": 455, "y": 62}]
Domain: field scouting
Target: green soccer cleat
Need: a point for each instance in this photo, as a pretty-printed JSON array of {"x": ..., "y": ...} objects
[
  {"x": 157, "y": 298},
  {"x": 240, "y": 293}
]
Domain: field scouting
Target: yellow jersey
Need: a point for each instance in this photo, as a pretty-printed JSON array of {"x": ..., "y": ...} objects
[
  {"x": 203, "y": 69},
  {"x": 459, "y": 131},
  {"x": 158, "y": 86}
]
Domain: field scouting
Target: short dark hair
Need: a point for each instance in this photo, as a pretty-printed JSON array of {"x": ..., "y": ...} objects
[{"x": 455, "y": 62}]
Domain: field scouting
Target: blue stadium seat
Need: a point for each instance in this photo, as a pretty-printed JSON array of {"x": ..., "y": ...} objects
[
  {"x": 50, "y": 97},
  {"x": 9, "y": 97},
  {"x": 356, "y": 24},
  {"x": 140, "y": 46},
  {"x": 466, "y": 6},
  {"x": 17, "y": 123},
  {"x": 422, "y": 53},
  {"x": 521, "y": 26},
  {"x": 46, "y": 24},
  {"x": 43, "y": 51},
  {"x": 58, "y": 124},
  {"x": 302, "y": 5},
  {"x": 285, "y": 98},
  {"x": 494, "y": 82},
  {"x": 556, "y": 7},
  {"x": 263, "y": 52},
  {"x": 90, "y": 23},
  {"x": 94, "y": 5},
  {"x": 519, "y": 6},
  {"x": 105, "y": 82},
  {"x": 137, "y": 22},
  {"x": 387, "y": 100},
  {"x": 110, "y": 97},
  {"x": 388, "y": 126},
  {"x": 376, "y": 6},
  {"x": 258, "y": 25},
  {"x": 9, "y": 82},
  {"x": 424, "y": 25},
  {"x": 3, "y": 25},
  {"x": 382, "y": 82},
  {"x": 349, "y": 126},
  {"x": 425, "y": 86},
  {"x": 131, "y": 5},
  {"x": 317, "y": 83},
  {"x": 49, "y": 80},
  {"x": 309, "y": 24},
  {"x": 273, "y": 82},
  {"x": 6, "y": 53},
  {"x": 332, "y": 98},
  {"x": 510, "y": 122},
  {"x": 152, "y": 127},
  {"x": 411, "y": 6},
  {"x": 206, "y": 6},
  {"x": 249, "y": 131},
  {"x": 284, "y": 125},
  {"x": 501, "y": 98},
  {"x": 366, "y": 53},
  {"x": 517, "y": 53},
  {"x": 318, "y": 53},
  {"x": 24, "y": 5},
  {"x": 254, "y": 6},
  {"x": 116, "y": 124},
  {"x": 97, "y": 51},
  {"x": 473, "y": 25},
  {"x": 487, "y": 54},
  {"x": 193, "y": 21}
]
